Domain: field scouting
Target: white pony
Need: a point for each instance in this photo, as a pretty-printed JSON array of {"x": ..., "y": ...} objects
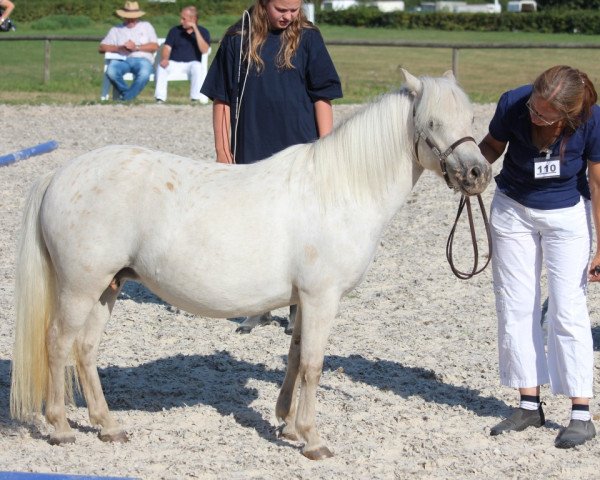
[{"x": 223, "y": 241}]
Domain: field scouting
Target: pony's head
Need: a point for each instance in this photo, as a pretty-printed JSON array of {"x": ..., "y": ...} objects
[{"x": 443, "y": 126}]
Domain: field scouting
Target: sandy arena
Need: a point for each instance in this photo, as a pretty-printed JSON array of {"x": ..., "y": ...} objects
[{"x": 410, "y": 386}]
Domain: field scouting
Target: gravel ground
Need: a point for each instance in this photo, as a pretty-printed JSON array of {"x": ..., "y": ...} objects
[{"x": 410, "y": 385}]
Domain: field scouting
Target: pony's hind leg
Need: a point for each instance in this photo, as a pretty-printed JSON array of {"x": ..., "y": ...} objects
[
  {"x": 285, "y": 410},
  {"x": 291, "y": 319},
  {"x": 251, "y": 322},
  {"x": 86, "y": 347},
  {"x": 64, "y": 327}
]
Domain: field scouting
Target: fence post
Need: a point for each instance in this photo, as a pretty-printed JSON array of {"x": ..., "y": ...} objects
[
  {"x": 46, "y": 61},
  {"x": 455, "y": 62}
]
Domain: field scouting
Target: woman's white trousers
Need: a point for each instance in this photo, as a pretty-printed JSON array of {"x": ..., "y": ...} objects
[{"x": 524, "y": 239}]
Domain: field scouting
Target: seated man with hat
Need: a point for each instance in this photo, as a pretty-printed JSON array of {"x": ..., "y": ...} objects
[{"x": 136, "y": 41}]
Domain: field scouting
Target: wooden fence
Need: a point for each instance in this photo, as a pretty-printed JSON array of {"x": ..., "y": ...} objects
[{"x": 453, "y": 47}]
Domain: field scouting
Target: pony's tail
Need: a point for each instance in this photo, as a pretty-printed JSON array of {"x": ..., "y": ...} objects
[{"x": 34, "y": 305}]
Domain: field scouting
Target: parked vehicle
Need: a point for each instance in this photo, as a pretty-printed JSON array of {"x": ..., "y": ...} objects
[
  {"x": 383, "y": 5},
  {"x": 522, "y": 6}
]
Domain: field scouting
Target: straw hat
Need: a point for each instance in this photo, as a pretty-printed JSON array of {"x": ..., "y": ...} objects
[{"x": 131, "y": 10}]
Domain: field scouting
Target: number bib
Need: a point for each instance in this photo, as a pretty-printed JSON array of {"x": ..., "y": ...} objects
[{"x": 546, "y": 167}]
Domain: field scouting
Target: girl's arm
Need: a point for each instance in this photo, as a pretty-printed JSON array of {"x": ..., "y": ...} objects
[
  {"x": 324, "y": 117},
  {"x": 221, "y": 122}
]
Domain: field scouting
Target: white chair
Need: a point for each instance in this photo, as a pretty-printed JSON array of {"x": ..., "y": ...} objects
[{"x": 173, "y": 77}]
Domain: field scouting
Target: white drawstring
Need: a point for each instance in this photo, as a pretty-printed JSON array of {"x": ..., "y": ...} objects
[{"x": 238, "y": 100}]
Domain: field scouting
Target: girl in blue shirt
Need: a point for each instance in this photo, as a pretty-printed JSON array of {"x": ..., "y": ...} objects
[
  {"x": 280, "y": 93},
  {"x": 271, "y": 82},
  {"x": 540, "y": 216}
]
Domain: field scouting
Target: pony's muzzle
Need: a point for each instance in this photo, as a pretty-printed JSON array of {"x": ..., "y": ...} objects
[{"x": 474, "y": 179}]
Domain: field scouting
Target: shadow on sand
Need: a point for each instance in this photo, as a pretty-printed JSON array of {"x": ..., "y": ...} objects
[{"x": 218, "y": 380}]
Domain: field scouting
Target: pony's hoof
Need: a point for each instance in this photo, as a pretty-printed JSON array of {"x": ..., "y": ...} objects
[
  {"x": 243, "y": 329},
  {"x": 61, "y": 439},
  {"x": 289, "y": 330},
  {"x": 320, "y": 453},
  {"x": 115, "y": 437}
]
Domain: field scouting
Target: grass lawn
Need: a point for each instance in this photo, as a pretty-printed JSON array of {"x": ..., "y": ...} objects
[{"x": 76, "y": 66}]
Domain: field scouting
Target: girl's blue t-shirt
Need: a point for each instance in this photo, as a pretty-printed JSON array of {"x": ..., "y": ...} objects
[
  {"x": 277, "y": 106},
  {"x": 512, "y": 124}
]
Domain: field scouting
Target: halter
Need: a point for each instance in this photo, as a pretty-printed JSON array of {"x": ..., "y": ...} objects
[
  {"x": 464, "y": 200},
  {"x": 442, "y": 156}
]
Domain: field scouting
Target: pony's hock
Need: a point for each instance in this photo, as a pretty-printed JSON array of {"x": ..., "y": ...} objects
[{"x": 174, "y": 225}]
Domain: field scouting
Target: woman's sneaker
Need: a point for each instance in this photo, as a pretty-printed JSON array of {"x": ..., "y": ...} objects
[
  {"x": 577, "y": 433},
  {"x": 520, "y": 420}
]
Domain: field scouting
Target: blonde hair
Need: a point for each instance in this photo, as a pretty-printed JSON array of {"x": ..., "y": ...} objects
[
  {"x": 569, "y": 91},
  {"x": 259, "y": 23}
]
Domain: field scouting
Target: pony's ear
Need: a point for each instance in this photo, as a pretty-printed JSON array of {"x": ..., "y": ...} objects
[
  {"x": 449, "y": 74},
  {"x": 413, "y": 84}
]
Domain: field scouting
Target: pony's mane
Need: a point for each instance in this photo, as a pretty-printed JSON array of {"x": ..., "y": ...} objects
[
  {"x": 360, "y": 159},
  {"x": 369, "y": 151}
]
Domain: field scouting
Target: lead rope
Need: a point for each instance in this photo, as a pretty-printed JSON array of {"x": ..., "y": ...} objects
[{"x": 464, "y": 200}]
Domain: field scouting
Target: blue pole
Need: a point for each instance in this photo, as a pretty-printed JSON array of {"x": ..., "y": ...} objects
[{"x": 28, "y": 152}]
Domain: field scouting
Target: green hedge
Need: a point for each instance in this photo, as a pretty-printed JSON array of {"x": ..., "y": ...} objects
[
  {"x": 587, "y": 22},
  {"x": 58, "y": 22},
  {"x": 49, "y": 12},
  {"x": 104, "y": 10},
  {"x": 569, "y": 4}
]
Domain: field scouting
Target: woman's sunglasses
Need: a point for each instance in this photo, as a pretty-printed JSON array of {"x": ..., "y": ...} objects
[{"x": 539, "y": 116}]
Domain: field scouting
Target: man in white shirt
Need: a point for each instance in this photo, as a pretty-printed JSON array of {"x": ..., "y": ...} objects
[{"x": 136, "y": 41}]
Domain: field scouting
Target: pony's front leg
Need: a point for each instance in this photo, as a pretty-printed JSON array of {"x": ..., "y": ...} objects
[
  {"x": 317, "y": 318},
  {"x": 87, "y": 352},
  {"x": 285, "y": 409}
]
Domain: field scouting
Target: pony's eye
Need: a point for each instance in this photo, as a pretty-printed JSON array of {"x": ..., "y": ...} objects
[{"x": 430, "y": 123}]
